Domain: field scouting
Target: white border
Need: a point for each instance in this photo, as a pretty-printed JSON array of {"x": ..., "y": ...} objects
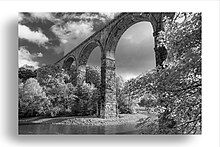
[{"x": 8, "y": 41}]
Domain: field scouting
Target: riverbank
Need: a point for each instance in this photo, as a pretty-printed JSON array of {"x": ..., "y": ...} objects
[
  {"x": 123, "y": 124},
  {"x": 85, "y": 120}
]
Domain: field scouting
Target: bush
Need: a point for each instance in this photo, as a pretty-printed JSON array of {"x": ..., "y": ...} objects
[
  {"x": 45, "y": 73},
  {"x": 93, "y": 75},
  {"x": 59, "y": 96},
  {"x": 125, "y": 104},
  {"x": 88, "y": 97},
  {"x": 25, "y": 74},
  {"x": 62, "y": 96},
  {"x": 148, "y": 101},
  {"x": 31, "y": 98}
]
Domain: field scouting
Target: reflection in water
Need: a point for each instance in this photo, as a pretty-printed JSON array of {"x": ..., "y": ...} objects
[{"x": 76, "y": 129}]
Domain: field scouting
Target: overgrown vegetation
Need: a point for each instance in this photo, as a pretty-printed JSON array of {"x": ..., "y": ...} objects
[
  {"x": 53, "y": 92},
  {"x": 178, "y": 85}
]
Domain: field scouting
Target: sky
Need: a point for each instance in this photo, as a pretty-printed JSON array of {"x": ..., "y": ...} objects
[{"x": 44, "y": 38}]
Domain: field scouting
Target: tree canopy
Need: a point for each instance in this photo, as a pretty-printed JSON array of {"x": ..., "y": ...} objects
[{"x": 178, "y": 85}]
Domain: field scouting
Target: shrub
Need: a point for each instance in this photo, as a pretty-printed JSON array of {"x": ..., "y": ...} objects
[
  {"x": 125, "y": 104},
  {"x": 148, "y": 101},
  {"x": 25, "y": 74},
  {"x": 62, "y": 96},
  {"x": 88, "y": 97},
  {"x": 31, "y": 98},
  {"x": 45, "y": 73}
]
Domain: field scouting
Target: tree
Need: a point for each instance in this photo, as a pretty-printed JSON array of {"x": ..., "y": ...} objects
[
  {"x": 177, "y": 86},
  {"x": 148, "y": 101},
  {"x": 72, "y": 73},
  {"x": 50, "y": 71},
  {"x": 93, "y": 75},
  {"x": 25, "y": 74},
  {"x": 119, "y": 84},
  {"x": 180, "y": 83},
  {"x": 62, "y": 95},
  {"x": 87, "y": 101},
  {"x": 31, "y": 98}
]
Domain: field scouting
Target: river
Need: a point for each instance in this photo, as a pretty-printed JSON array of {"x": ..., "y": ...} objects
[{"x": 76, "y": 129}]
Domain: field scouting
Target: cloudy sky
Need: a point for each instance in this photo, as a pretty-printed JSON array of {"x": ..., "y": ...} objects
[{"x": 44, "y": 38}]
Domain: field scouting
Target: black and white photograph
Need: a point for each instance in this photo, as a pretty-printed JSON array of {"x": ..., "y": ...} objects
[
  {"x": 119, "y": 73},
  {"x": 110, "y": 73}
]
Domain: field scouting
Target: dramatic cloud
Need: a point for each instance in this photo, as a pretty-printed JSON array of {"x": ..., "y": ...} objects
[
  {"x": 55, "y": 30},
  {"x": 42, "y": 15},
  {"x": 74, "y": 28},
  {"x": 25, "y": 58},
  {"x": 138, "y": 33},
  {"x": 33, "y": 36},
  {"x": 135, "y": 53},
  {"x": 61, "y": 32},
  {"x": 80, "y": 16},
  {"x": 72, "y": 34},
  {"x": 102, "y": 16},
  {"x": 109, "y": 15}
]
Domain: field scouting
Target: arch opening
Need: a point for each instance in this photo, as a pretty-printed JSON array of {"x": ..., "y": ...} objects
[
  {"x": 95, "y": 57},
  {"x": 70, "y": 62},
  {"x": 93, "y": 67},
  {"x": 91, "y": 64},
  {"x": 90, "y": 57},
  {"x": 86, "y": 52},
  {"x": 134, "y": 53},
  {"x": 130, "y": 55},
  {"x": 70, "y": 68}
]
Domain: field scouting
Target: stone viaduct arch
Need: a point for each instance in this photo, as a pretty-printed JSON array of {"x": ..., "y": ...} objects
[
  {"x": 68, "y": 62},
  {"x": 107, "y": 39}
]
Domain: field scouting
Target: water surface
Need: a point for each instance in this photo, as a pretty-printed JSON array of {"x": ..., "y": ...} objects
[{"x": 76, "y": 129}]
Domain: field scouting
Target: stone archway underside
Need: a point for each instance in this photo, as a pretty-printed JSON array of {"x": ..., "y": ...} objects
[{"x": 107, "y": 39}]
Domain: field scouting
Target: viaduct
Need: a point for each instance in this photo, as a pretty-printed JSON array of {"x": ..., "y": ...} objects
[{"x": 107, "y": 39}]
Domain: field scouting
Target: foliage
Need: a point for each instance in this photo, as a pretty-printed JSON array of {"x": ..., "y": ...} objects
[
  {"x": 120, "y": 83},
  {"x": 24, "y": 74},
  {"x": 183, "y": 39},
  {"x": 64, "y": 97},
  {"x": 93, "y": 75},
  {"x": 32, "y": 99},
  {"x": 124, "y": 104},
  {"x": 88, "y": 97},
  {"x": 52, "y": 96},
  {"x": 181, "y": 91},
  {"x": 147, "y": 126},
  {"x": 61, "y": 95},
  {"x": 93, "y": 79},
  {"x": 88, "y": 93},
  {"x": 126, "y": 101},
  {"x": 45, "y": 73},
  {"x": 178, "y": 86},
  {"x": 72, "y": 73},
  {"x": 148, "y": 101}
]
